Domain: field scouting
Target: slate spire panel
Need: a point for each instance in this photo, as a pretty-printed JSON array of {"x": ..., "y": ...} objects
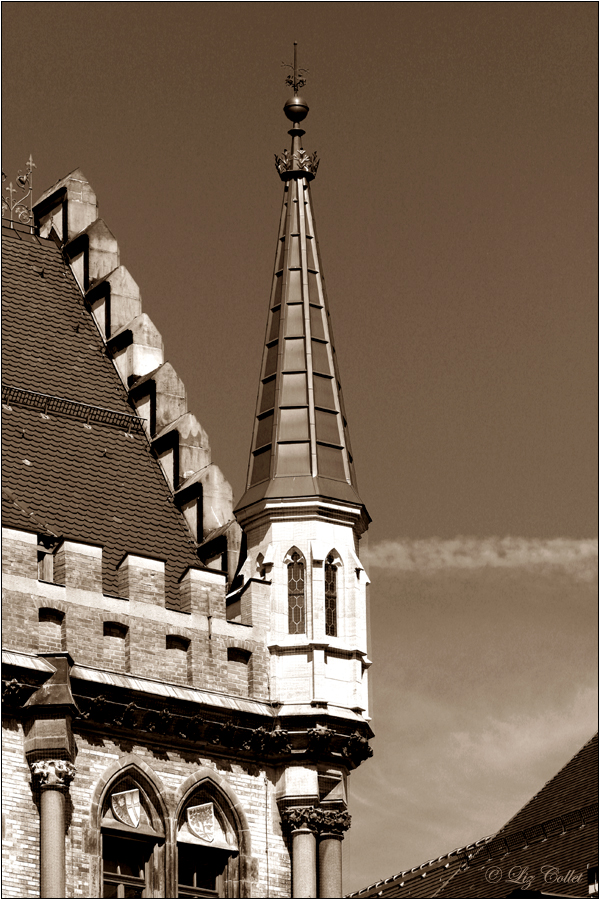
[{"x": 300, "y": 443}]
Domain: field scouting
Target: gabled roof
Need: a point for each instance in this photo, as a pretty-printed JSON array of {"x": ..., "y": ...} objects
[
  {"x": 96, "y": 482},
  {"x": 50, "y": 342}
]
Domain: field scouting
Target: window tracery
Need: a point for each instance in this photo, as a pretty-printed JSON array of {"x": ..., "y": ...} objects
[
  {"x": 330, "y": 596},
  {"x": 296, "y": 594}
]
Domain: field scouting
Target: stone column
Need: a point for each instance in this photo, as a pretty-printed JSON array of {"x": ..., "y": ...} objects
[
  {"x": 301, "y": 821},
  {"x": 331, "y": 826},
  {"x": 54, "y": 777}
]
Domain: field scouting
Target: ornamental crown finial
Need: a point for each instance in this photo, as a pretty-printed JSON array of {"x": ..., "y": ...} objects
[
  {"x": 296, "y": 109},
  {"x": 19, "y": 208}
]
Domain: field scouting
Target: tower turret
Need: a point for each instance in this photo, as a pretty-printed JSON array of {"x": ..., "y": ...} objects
[{"x": 301, "y": 512}]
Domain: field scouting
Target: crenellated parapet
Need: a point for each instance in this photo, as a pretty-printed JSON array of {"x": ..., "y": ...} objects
[{"x": 68, "y": 213}]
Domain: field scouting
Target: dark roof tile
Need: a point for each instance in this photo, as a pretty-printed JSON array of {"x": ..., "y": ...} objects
[
  {"x": 575, "y": 786},
  {"x": 95, "y": 484},
  {"x": 50, "y": 341}
]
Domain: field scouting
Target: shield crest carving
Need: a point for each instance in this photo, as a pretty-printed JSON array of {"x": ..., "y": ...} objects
[
  {"x": 126, "y": 807},
  {"x": 201, "y": 821}
]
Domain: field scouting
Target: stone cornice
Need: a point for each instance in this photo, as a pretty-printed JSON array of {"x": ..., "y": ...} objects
[
  {"x": 277, "y": 738},
  {"x": 295, "y": 509}
]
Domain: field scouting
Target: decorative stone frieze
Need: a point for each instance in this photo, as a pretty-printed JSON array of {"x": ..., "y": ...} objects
[{"x": 53, "y": 773}]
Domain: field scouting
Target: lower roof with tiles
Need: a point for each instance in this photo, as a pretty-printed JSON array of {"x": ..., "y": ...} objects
[
  {"x": 80, "y": 470},
  {"x": 546, "y": 847}
]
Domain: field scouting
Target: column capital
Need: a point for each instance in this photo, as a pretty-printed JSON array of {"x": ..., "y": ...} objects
[
  {"x": 314, "y": 818},
  {"x": 301, "y": 818},
  {"x": 333, "y": 822},
  {"x": 53, "y": 773}
]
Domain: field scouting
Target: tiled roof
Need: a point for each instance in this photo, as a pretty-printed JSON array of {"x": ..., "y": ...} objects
[
  {"x": 92, "y": 483},
  {"x": 576, "y": 785},
  {"x": 557, "y": 828},
  {"x": 423, "y": 880},
  {"x": 20, "y": 516},
  {"x": 50, "y": 342},
  {"x": 543, "y": 866}
]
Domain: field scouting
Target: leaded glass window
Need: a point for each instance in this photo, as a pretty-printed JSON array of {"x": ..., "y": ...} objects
[
  {"x": 124, "y": 865},
  {"x": 296, "y": 601},
  {"x": 330, "y": 597}
]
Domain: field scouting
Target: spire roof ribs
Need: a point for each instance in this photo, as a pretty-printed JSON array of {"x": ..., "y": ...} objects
[
  {"x": 300, "y": 444},
  {"x": 68, "y": 212}
]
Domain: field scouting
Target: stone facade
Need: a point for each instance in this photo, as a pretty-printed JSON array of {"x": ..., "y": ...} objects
[
  {"x": 182, "y": 708},
  {"x": 116, "y": 730}
]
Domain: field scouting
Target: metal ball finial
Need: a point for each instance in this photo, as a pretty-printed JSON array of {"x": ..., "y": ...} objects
[{"x": 296, "y": 109}]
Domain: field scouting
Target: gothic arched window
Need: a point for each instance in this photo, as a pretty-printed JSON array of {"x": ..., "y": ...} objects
[
  {"x": 207, "y": 849},
  {"x": 330, "y": 597},
  {"x": 132, "y": 842},
  {"x": 296, "y": 598}
]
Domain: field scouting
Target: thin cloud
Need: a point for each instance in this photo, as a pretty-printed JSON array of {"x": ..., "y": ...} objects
[
  {"x": 513, "y": 744},
  {"x": 578, "y": 558}
]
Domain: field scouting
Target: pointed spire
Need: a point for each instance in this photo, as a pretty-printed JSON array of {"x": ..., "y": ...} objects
[{"x": 300, "y": 443}]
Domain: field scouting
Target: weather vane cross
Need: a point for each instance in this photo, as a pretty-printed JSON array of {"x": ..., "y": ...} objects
[{"x": 295, "y": 79}]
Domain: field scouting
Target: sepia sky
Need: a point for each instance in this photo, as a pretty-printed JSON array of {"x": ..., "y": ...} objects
[{"x": 456, "y": 209}]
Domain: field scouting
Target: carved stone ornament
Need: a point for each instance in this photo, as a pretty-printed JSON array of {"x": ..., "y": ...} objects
[
  {"x": 126, "y": 807},
  {"x": 53, "y": 773},
  {"x": 320, "y": 740},
  {"x": 301, "y": 817},
  {"x": 333, "y": 821},
  {"x": 201, "y": 821},
  {"x": 357, "y": 748},
  {"x": 325, "y": 821}
]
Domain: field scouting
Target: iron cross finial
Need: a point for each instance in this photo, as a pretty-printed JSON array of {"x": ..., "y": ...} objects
[{"x": 295, "y": 79}]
